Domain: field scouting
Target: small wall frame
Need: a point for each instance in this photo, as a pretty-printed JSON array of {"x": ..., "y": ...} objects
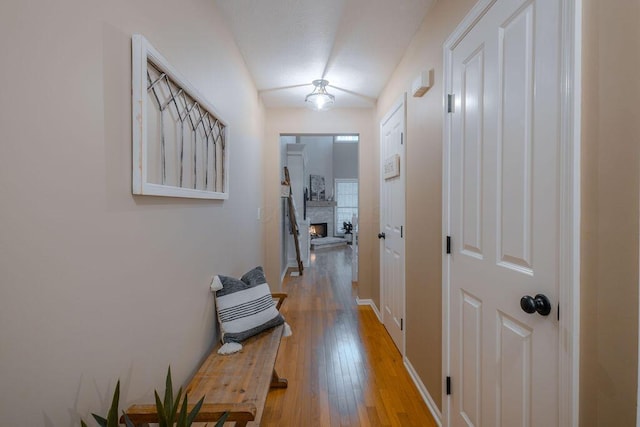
[{"x": 180, "y": 143}]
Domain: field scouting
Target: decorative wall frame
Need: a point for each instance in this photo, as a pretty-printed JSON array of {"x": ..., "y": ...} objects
[
  {"x": 180, "y": 143},
  {"x": 391, "y": 168},
  {"x": 316, "y": 182}
]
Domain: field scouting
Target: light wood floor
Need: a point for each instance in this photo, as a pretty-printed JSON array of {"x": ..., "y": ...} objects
[{"x": 343, "y": 369}]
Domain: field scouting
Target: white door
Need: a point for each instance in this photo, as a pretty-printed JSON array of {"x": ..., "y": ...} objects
[
  {"x": 392, "y": 204},
  {"x": 504, "y": 217}
]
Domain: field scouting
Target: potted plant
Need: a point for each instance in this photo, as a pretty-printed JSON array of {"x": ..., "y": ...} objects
[
  {"x": 167, "y": 409},
  {"x": 347, "y": 227}
]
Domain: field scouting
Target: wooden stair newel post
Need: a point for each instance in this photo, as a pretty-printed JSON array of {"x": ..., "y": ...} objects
[{"x": 292, "y": 220}]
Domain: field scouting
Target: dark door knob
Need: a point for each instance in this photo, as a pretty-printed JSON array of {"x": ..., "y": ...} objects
[
  {"x": 381, "y": 236},
  {"x": 540, "y": 304}
]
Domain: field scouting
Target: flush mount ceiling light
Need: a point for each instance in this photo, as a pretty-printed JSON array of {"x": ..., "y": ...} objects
[{"x": 319, "y": 99}]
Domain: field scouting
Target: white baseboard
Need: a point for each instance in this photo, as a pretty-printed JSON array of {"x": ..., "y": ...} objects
[
  {"x": 370, "y": 303},
  {"x": 284, "y": 273},
  {"x": 433, "y": 408}
]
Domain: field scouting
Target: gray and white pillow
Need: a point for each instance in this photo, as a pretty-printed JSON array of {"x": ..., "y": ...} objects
[{"x": 245, "y": 308}]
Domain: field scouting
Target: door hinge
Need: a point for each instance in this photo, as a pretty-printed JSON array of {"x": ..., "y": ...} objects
[
  {"x": 401, "y": 138},
  {"x": 402, "y": 231},
  {"x": 448, "y": 244},
  {"x": 401, "y": 324},
  {"x": 558, "y": 312},
  {"x": 448, "y": 386},
  {"x": 450, "y": 101}
]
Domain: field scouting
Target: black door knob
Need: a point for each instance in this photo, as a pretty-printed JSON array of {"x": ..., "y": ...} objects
[
  {"x": 540, "y": 304},
  {"x": 381, "y": 236}
]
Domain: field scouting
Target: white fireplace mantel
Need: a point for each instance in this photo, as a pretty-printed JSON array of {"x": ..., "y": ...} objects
[
  {"x": 321, "y": 203},
  {"x": 320, "y": 214}
]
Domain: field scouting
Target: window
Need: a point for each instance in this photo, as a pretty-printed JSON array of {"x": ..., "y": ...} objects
[
  {"x": 346, "y": 191},
  {"x": 346, "y": 138}
]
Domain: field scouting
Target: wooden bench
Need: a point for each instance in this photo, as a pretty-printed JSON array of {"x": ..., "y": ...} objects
[{"x": 236, "y": 383}]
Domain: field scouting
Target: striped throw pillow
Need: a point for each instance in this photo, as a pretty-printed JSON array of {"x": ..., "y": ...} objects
[{"x": 245, "y": 307}]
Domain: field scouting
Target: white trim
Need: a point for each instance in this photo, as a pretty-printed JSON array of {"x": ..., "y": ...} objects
[
  {"x": 638, "y": 389},
  {"x": 569, "y": 292},
  {"x": 446, "y": 226},
  {"x": 431, "y": 404},
  {"x": 401, "y": 103},
  {"x": 370, "y": 303},
  {"x": 474, "y": 15}
]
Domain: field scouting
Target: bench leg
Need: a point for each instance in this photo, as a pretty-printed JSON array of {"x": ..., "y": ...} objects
[{"x": 277, "y": 382}]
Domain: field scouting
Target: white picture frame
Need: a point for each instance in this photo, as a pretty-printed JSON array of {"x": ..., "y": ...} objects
[
  {"x": 208, "y": 159},
  {"x": 391, "y": 167}
]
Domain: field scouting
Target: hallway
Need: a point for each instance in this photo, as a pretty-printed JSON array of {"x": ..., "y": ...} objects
[{"x": 342, "y": 366}]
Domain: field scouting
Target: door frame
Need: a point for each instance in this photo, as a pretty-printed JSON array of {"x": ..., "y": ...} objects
[
  {"x": 569, "y": 195},
  {"x": 400, "y": 103}
]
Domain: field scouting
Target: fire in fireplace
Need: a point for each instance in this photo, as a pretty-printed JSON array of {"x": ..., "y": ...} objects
[{"x": 318, "y": 230}]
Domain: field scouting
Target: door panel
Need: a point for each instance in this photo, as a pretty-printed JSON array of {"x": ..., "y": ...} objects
[
  {"x": 504, "y": 217},
  {"x": 472, "y": 172},
  {"x": 471, "y": 351},
  {"x": 514, "y": 384},
  {"x": 392, "y": 202},
  {"x": 515, "y": 82}
]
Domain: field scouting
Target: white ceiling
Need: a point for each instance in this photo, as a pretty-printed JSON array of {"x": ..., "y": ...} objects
[{"x": 354, "y": 44}]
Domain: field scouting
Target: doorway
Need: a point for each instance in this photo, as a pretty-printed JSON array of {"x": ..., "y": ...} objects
[
  {"x": 324, "y": 182},
  {"x": 392, "y": 218}
]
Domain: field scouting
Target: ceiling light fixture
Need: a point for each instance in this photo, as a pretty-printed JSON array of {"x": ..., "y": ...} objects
[{"x": 319, "y": 99}]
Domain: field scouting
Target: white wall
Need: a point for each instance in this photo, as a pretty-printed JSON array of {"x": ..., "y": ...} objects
[
  {"x": 96, "y": 284},
  {"x": 610, "y": 169},
  {"x": 319, "y": 152},
  {"x": 345, "y": 160}
]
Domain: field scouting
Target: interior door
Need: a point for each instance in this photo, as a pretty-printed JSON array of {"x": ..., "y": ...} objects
[
  {"x": 504, "y": 218},
  {"x": 392, "y": 205}
]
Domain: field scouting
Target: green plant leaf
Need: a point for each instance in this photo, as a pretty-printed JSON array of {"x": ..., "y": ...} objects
[
  {"x": 194, "y": 411},
  {"x": 112, "y": 416},
  {"x": 222, "y": 419},
  {"x": 162, "y": 416},
  {"x": 102, "y": 422},
  {"x": 182, "y": 417},
  {"x": 174, "y": 409},
  {"x": 127, "y": 420},
  {"x": 168, "y": 392}
]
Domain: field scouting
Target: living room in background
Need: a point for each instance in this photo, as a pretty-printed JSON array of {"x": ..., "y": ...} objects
[{"x": 327, "y": 157}]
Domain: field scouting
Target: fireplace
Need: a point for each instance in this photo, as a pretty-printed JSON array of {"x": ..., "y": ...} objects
[{"x": 318, "y": 230}]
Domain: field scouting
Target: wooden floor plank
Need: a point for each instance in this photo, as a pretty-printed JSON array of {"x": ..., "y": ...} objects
[{"x": 342, "y": 366}]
